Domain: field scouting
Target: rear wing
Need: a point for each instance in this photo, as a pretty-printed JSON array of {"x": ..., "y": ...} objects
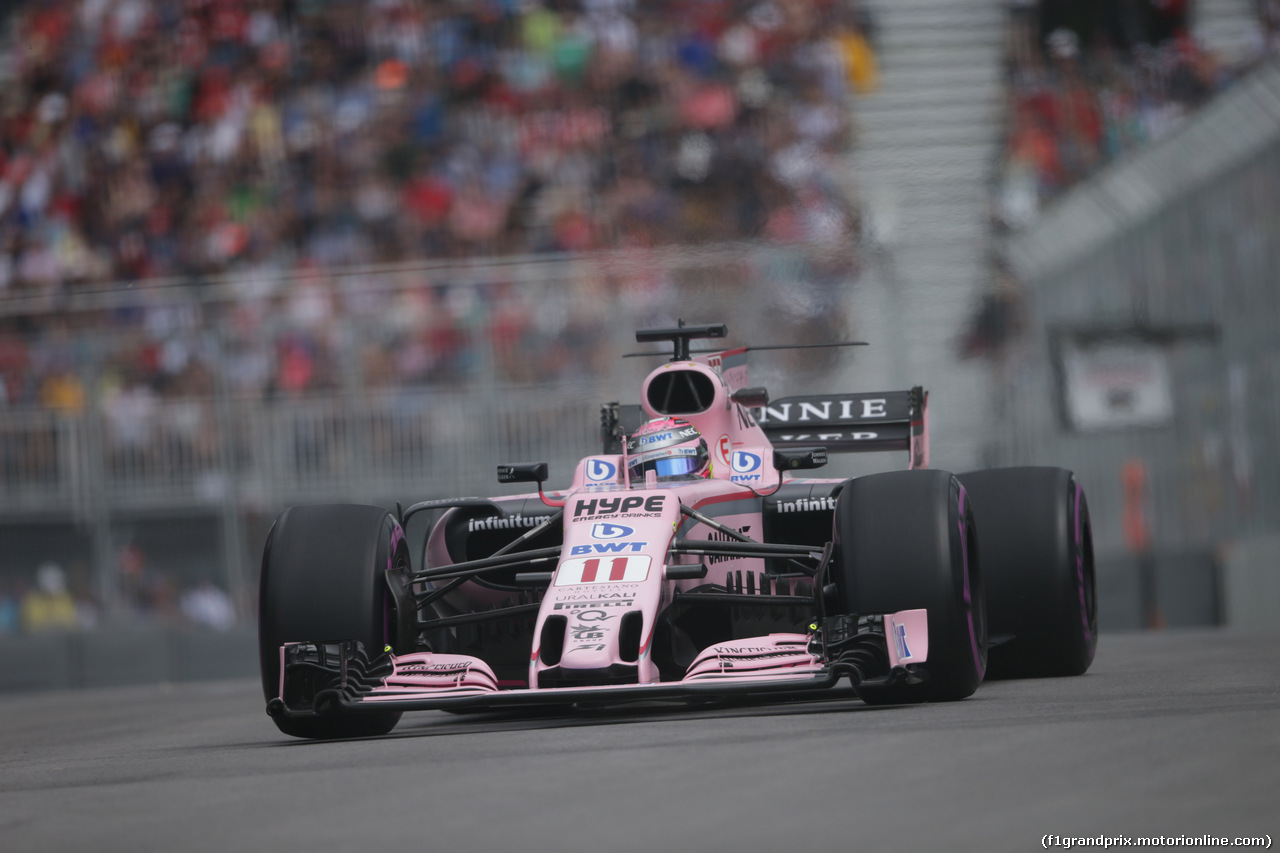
[{"x": 852, "y": 423}]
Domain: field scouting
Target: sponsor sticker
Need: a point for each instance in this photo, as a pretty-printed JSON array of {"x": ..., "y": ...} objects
[
  {"x": 605, "y": 530},
  {"x": 609, "y": 548},
  {"x": 595, "y": 615},
  {"x": 577, "y": 571},
  {"x": 717, "y": 536},
  {"x": 434, "y": 669},
  {"x": 900, "y": 638},
  {"x": 825, "y": 504},
  {"x": 907, "y": 632},
  {"x": 600, "y": 471},
  {"x": 498, "y": 522},
  {"x": 746, "y": 467},
  {"x": 599, "y": 592},
  {"x": 631, "y": 505},
  {"x": 586, "y": 632}
]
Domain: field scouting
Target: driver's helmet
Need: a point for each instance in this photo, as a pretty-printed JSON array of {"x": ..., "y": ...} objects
[{"x": 671, "y": 448}]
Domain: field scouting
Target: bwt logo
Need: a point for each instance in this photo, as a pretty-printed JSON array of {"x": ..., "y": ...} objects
[
  {"x": 745, "y": 463},
  {"x": 608, "y": 548},
  {"x": 609, "y": 506},
  {"x": 746, "y": 467},
  {"x": 599, "y": 471},
  {"x": 605, "y": 530}
]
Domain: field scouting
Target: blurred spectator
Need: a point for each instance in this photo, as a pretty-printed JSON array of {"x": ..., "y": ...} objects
[
  {"x": 48, "y": 606},
  {"x": 1089, "y": 81},
  {"x": 146, "y": 591},
  {"x": 1268, "y": 26},
  {"x": 157, "y": 137},
  {"x": 855, "y": 38},
  {"x": 135, "y": 579},
  {"x": 998, "y": 318},
  {"x": 208, "y": 605},
  {"x": 277, "y": 140},
  {"x": 10, "y": 609}
]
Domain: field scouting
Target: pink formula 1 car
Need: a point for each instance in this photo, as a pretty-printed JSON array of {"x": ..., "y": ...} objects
[{"x": 690, "y": 560}]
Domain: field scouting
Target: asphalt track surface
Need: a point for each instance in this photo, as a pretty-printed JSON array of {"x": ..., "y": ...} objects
[{"x": 1170, "y": 734}]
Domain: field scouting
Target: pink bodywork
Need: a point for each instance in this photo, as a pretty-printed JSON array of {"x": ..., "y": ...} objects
[
  {"x": 617, "y": 535},
  {"x": 769, "y": 659}
]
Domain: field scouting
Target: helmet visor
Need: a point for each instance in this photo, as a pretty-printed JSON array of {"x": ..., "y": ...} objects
[
  {"x": 669, "y": 463},
  {"x": 676, "y": 466}
]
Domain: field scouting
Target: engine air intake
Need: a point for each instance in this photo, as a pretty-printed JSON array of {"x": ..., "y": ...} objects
[{"x": 681, "y": 392}]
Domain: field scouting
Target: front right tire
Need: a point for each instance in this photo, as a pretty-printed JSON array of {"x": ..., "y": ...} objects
[
  {"x": 1037, "y": 549},
  {"x": 906, "y": 540}
]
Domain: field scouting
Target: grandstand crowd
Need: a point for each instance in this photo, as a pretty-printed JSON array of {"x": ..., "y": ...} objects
[
  {"x": 250, "y": 153},
  {"x": 1090, "y": 80},
  {"x": 278, "y": 139},
  {"x": 272, "y": 141}
]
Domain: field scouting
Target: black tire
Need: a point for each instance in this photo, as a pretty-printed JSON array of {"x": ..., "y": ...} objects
[
  {"x": 906, "y": 540},
  {"x": 1037, "y": 554},
  {"x": 323, "y": 578}
]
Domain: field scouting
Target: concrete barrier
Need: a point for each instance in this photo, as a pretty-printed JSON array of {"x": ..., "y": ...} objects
[
  {"x": 1251, "y": 583},
  {"x": 1184, "y": 590},
  {"x": 121, "y": 655}
]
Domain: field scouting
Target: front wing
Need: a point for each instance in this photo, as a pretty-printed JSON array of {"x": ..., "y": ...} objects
[{"x": 341, "y": 677}]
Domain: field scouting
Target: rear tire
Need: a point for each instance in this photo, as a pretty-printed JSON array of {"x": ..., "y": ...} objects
[
  {"x": 324, "y": 578},
  {"x": 906, "y": 540},
  {"x": 1037, "y": 552}
]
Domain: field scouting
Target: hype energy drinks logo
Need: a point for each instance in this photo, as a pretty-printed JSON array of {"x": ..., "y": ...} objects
[{"x": 633, "y": 506}]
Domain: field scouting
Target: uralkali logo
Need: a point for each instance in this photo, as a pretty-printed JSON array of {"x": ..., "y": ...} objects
[{"x": 596, "y": 570}]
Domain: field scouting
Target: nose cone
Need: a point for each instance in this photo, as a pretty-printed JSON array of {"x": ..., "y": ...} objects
[{"x": 600, "y": 609}]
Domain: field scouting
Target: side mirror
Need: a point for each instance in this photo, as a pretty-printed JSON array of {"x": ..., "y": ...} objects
[
  {"x": 796, "y": 458},
  {"x": 752, "y": 398},
  {"x": 523, "y": 472}
]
